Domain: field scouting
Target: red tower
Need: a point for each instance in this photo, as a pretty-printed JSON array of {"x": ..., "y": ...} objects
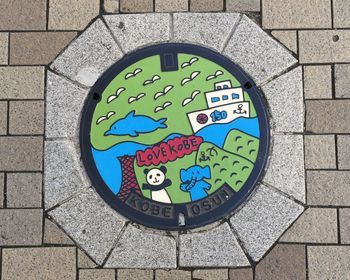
[{"x": 129, "y": 182}]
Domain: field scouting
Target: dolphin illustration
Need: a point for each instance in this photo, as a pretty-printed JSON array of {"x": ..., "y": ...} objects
[{"x": 133, "y": 125}]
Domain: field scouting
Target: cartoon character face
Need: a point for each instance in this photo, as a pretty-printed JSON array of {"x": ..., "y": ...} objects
[
  {"x": 196, "y": 173},
  {"x": 155, "y": 176}
]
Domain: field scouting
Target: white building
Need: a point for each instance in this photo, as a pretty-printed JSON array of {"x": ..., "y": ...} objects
[
  {"x": 224, "y": 94},
  {"x": 224, "y": 105}
]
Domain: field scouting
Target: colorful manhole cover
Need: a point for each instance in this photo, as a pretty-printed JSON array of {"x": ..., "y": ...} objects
[{"x": 174, "y": 136}]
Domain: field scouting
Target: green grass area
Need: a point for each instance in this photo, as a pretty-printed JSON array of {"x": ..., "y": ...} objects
[
  {"x": 177, "y": 120},
  {"x": 243, "y": 144},
  {"x": 225, "y": 167}
]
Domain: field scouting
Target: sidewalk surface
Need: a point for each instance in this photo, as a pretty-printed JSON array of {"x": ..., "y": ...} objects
[{"x": 34, "y": 32}]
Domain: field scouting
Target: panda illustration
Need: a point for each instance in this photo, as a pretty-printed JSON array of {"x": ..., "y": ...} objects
[{"x": 156, "y": 183}]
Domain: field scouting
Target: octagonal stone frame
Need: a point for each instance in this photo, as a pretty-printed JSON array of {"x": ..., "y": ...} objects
[{"x": 111, "y": 240}]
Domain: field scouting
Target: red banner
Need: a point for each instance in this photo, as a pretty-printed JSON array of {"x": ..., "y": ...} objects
[{"x": 168, "y": 151}]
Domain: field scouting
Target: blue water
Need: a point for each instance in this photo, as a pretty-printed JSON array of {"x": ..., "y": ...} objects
[
  {"x": 109, "y": 166},
  {"x": 217, "y": 133}
]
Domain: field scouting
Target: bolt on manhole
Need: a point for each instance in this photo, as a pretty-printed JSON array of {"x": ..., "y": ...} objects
[{"x": 174, "y": 136}]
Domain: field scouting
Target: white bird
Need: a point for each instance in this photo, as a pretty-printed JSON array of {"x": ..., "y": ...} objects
[
  {"x": 114, "y": 96},
  {"x": 152, "y": 80},
  {"x": 160, "y": 108},
  {"x": 133, "y": 74},
  {"x": 135, "y": 98},
  {"x": 215, "y": 75},
  {"x": 164, "y": 92},
  {"x": 190, "y": 78},
  {"x": 189, "y": 63},
  {"x": 190, "y": 99},
  {"x": 103, "y": 118}
]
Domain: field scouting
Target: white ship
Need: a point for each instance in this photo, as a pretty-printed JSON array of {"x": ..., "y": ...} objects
[{"x": 225, "y": 104}]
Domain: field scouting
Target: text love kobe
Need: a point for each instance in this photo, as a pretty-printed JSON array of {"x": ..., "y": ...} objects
[{"x": 168, "y": 151}]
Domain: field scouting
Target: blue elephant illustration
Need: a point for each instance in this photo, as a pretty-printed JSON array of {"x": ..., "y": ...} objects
[{"x": 193, "y": 181}]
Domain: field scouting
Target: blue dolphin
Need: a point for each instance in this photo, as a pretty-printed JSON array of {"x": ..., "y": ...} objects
[{"x": 133, "y": 125}]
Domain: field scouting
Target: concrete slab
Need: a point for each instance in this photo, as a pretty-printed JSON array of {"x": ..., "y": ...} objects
[
  {"x": 139, "y": 30},
  {"x": 89, "y": 55},
  {"x": 217, "y": 247},
  {"x": 263, "y": 219},
  {"x": 140, "y": 249},
  {"x": 90, "y": 222},
  {"x": 257, "y": 53}
]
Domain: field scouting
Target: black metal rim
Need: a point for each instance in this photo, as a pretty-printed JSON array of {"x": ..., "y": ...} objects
[{"x": 166, "y": 224}]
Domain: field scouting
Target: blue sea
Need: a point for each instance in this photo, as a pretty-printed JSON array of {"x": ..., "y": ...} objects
[{"x": 109, "y": 166}]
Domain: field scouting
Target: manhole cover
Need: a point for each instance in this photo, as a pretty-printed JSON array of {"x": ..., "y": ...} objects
[{"x": 174, "y": 136}]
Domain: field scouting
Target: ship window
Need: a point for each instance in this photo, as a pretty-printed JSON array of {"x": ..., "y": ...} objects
[
  {"x": 215, "y": 99},
  {"x": 225, "y": 86},
  {"x": 218, "y": 87},
  {"x": 224, "y": 97},
  {"x": 235, "y": 96}
]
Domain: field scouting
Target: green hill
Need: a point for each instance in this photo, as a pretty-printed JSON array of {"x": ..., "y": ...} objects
[{"x": 240, "y": 143}]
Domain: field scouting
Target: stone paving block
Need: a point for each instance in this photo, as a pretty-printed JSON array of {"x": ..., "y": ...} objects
[
  {"x": 318, "y": 82},
  {"x": 296, "y": 14},
  {"x": 136, "y": 6},
  {"x": 344, "y": 222},
  {"x": 84, "y": 261},
  {"x": 24, "y": 190},
  {"x": 22, "y": 82},
  {"x": 171, "y": 5},
  {"x": 140, "y": 249},
  {"x": 21, "y": 153},
  {"x": 26, "y": 117},
  {"x": 3, "y": 117},
  {"x": 208, "y": 29},
  {"x": 288, "y": 38},
  {"x": 137, "y": 30},
  {"x": 343, "y": 142},
  {"x": 324, "y": 46},
  {"x": 286, "y": 167},
  {"x": 20, "y": 227},
  {"x": 82, "y": 217},
  {"x": 96, "y": 274},
  {"x": 328, "y": 262},
  {"x": 284, "y": 262},
  {"x": 241, "y": 274},
  {"x": 320, "y": 152},
  {"x": 23, "y": 15},
  {"x": 62, "y": 177},
  {"x": 2, "y": 185},
  {"x": 4, "y": 39},
  {"x": 111, "y": 6},
  {"x": 37, "y": 47},
  {"x": 39, "y": 263},
  {"x": 285, "y": 99},
  {"x": 263, "y": 219},
  {"x": 328, "y": 188},
  {"x": 210, "y": 274},
  {"x": 341, "y": 13},
  {"x": 243, "y": 5},
  {"x": 174, "y": 274},
  {"x": 315, "y": 225},
  {"x": 89, "y": 55},
  {"x": 206, "y": 5},
  {"x": 64, "y": 102},
  {"x": 54, "y": 235},
  {"x": 328, "y": 116},
  {"x": 134, "y": 274},
  {"x": 217, "y": 247},
  {"x": 72, "y": 15},
  {"x": 341, "y": 80},
  {"x": 256, "y": 52}
]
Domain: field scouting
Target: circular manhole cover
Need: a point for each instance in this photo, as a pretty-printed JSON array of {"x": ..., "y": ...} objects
[{"x": 174, "y": 136}]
